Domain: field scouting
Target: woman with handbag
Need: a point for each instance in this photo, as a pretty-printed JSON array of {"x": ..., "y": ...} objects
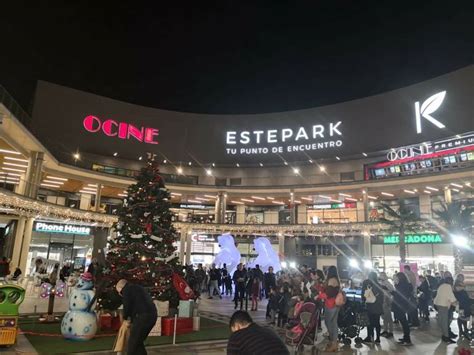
[
  {"x": 373, "y": 296},
  {"x": 329, "y": 293}
]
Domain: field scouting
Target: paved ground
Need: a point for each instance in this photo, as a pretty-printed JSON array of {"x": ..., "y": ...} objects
[{"x": 426, "y": 339}]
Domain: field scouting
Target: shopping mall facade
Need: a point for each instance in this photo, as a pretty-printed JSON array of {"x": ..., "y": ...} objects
[{"x": 311, "y": 180}]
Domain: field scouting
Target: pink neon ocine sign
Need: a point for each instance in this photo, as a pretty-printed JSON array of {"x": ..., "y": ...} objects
[{"x": 121, "y": 130}]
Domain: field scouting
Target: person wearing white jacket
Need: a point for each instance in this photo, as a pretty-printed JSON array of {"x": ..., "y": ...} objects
[{"x": 444, "y": 300}]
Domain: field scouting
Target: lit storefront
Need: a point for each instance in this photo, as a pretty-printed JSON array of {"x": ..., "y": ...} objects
[
  {"x": 62, "y": 243},
  {"x": 429, "y": 251},
  {"x": 343, "y": 212}
]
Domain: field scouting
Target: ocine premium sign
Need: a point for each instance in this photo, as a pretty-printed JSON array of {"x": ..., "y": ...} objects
[{"x": 61, "y": 228}]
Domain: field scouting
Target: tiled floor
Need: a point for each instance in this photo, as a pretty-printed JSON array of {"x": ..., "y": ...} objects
[{"x": 426, "y": 339}]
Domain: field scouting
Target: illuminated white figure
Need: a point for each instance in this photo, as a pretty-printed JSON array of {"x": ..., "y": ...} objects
[
  {"x": 266, "y": 255},
  {"x": 229, "y": 254}
]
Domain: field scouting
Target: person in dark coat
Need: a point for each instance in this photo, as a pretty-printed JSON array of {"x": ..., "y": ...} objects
[
  {"x": 269, "y": 281},
  {"x": 459, "y": 290},
  {"x": 402, "y": 305},
  {"x": 374, "y": 309},
  {"x": 240, "y": 279},
  {"x": 140, "y": 309},
  {"x": 424, "y": 298},
  {"x": 283, "y": 306}
]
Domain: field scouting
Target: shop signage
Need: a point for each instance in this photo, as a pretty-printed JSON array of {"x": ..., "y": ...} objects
[
  {"x": 196, "y": 207},
  {"x": 414, "y": 239},
  {"x": 460, "y": 141},
  {"x": 333, "y": 206},
  {"x": 202, "y": 238},
  {"x": 286, "y": 140},
  {"x": 429, "y": 106},
  {"x": 61, "y": 228},
  {"x": 120, "y": 130}
]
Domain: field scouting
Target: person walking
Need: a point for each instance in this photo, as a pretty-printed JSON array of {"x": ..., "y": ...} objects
[
  {"x": 373, "y": 296},
  {"x": 214, "y": 277},
  {"x": 200, "y": 276},
  {"x": 402, "y": 305},
  {"x": 433, "y": 282},
  {"x": 269, "y": 281},
  {"x": 413, "y": 279},
  {"x": 140, "y": 313},
  {"x": 388, "y": 291},
  {"x": 464, "y": 312},
  {"x": 328, "y": 294},
  {"x": 239, "y": 278},
  {"x": 424, "y": 297},
  {"x": 444, "y": 300},
  {"x": 224, "y": 274}
]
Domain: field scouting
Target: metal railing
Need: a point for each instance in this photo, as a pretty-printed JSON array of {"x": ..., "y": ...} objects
[{"x": 14, "y": 107}]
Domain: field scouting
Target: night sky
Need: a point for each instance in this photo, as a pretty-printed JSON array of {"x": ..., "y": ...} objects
[{"x": 230, "y": 56}]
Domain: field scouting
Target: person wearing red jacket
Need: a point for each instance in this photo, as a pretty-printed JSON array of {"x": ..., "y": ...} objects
[{"x": 328, "y": 294}]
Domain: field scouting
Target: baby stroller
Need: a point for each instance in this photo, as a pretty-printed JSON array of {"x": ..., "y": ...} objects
[
  {"x": 352, "y": 319},
  {"x": 304, "y": 330}
]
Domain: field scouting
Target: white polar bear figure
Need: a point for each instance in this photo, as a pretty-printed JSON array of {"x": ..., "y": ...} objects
[
  {"x": 229, "y": 254},
  {"x": 266, "y": 255},
  {"x": 79, "y": 323}
]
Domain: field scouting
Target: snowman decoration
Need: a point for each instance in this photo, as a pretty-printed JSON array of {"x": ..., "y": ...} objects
[{"x": 80, "y": 322}]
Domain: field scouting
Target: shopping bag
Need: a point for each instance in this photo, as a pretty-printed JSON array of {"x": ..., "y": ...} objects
[{"x": 120, "y": 344}]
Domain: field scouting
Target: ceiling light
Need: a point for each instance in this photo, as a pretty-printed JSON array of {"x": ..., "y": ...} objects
[
  {"x": 92, "y": 185},
  {"x": 211, "y": 196},
  {"x": 261, "y": 164},
  {"x": 175, "y": 194},
  {"x": 351, "y": 199},
  {"x": 307, "y": 198},
  {"x": 9, "y": 151},
  {"x": 427, "y": 191},
  {"x": 335, "y": 201},
  {"x": 209, "y": 172},
  {"x": 194, "y": 201},
  {"x": 468, "y": 184},
  {"x": 324, "y": 196},
  {"x": 10, "y": 174},
  {"x": 179, "y": 170},
  {"x": 89, "y": 189},
  {"x": 190, "y": 163},
  {"x": 278, "y": 202},
  {"x": 247, "y": 200},
  {"x": 49, "y": 185},
  {"x": 372, "y": 197},
  {"x": 122, "y": 195},
  {"x": 364, "y": 154},
  {"x": 387, "y": 194},
  {"x": 202, "y": 199},
  {"x": 115, "y": 154},
  {"x": 270, "y": 198},
  {"x": 311, "y": 161},
  {"x": 345, "y": 195},
  {"x": 16, "y": 159},
  {"x": 14, "y": 164},
  {"x": 164, "y": 161},
  {"x": 409, "y": 192},
  {"x": 258, "y": 198},
  {"x": 56, "y": 178},
  {"x": 286, "y": 163},
  {"x": 455, "y": 190},
  {"x": 54, "y": 182},
  {"x": 76, "y": 156},
  {"x": 12, "y": 169},
  {"x": 338, "y": 158},
  {"x": 237, "y": 165},
  {"x": 140, "y": 157},
  {"x": 237, "y": 202},
  {"x": 297, "y": 201},
  {"x": 453, "y": 184},
  {"x": 213, "y": 165},
  {"x": 322, "y": 168},
  {"x": 296, "y": 170}
]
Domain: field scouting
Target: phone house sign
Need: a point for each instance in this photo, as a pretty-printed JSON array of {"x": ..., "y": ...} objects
[
  {"x": 285, "y": 140},
  {"x": 62, "y": 228}
]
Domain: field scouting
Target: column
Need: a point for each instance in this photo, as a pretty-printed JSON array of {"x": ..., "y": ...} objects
[
  {"x": 220, "y": 207},
  {"x": 85, "y": 203},
  {"x": 365, "y": 202},
  {"x": 20, "y": 188},
  {"x": 367, "y": 245},
  {"x": 19, "y": 230},
  {"x": 33, "y": 174},
  {"x": 189, "y": 243},
  {"x": 98, "y": 196},
  {"x": 447, "y": 195},
  {"x": 281, "y": 244},
  {"x": 425, "y": 205},
  {"x": 302, "y": 216},
  {"x": 182, "y": 245},
  {"x": 292, "y": 208},
  {"x": 99, "y": 244},
  {"x": 361, "y": 213},
  {"x": 240, "y": 214},
  {"x": 25, "y": 245}
]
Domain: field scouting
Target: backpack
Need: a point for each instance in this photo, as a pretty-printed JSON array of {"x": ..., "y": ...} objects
[
  {"x": 341, "y": 298},
  {"x": 369, "y": 295}
]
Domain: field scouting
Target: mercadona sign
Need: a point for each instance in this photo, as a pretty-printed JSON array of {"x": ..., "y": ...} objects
[{"x": 414, "y": 239}]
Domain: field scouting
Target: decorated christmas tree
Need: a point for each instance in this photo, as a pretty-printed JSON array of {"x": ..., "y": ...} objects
[{"x": 142, "y": 249}]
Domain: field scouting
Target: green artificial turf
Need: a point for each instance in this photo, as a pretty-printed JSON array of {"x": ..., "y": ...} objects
[{"x": 210, "y": 330}]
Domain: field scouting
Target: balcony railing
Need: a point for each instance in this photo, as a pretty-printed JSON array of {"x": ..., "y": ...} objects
[{"x": 13, "y": 106}]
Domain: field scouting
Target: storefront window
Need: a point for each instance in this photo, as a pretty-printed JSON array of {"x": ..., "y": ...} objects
[{"x": 334, "y": 213}]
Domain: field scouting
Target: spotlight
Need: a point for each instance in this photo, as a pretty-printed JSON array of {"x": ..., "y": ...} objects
[
  {"x": 115, "y": 154},
  {"x": 77, "y": 156},
  {"x": 296, "y": 170},
  {"x": 140, "y": 157},
  {"x": 209, "y": 172},
  {"x": 179, "y": 170},
  {"x": 322, "y": 168},
  {"x": 368, "y": 264},
  {"x": 293, "y": 264},
  {"x": 353, "y": 263},
  {"x": 460, "y": 241},
  {"x": 284, "y": 264}
]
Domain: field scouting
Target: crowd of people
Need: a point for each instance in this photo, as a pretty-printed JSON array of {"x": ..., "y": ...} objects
[{"x": 405, "y": 299}]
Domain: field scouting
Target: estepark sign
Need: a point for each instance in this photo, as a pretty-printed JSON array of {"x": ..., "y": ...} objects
[{"x": 285, "y": 140}]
